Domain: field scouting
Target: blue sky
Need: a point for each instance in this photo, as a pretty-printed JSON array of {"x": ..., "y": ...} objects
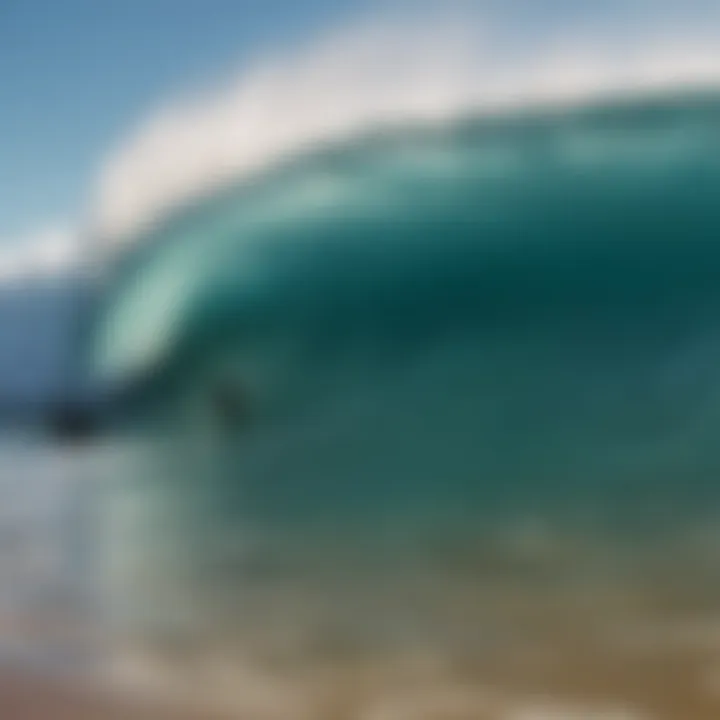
[{"x": 76, "y": 75}]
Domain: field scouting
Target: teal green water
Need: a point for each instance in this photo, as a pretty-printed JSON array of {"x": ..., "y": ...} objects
[
  {"x": 514, "y": 312},
  {"x": 384, "y": 380}
]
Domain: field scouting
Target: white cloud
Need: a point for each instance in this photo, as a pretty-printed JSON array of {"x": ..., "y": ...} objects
[{"x": 49, "y": 252}]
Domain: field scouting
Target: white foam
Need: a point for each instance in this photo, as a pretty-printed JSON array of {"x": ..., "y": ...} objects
[{"x": 379, "y": 73}]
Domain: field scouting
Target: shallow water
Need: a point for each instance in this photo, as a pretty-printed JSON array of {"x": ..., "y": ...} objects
[{"x": 513, "y": 618}]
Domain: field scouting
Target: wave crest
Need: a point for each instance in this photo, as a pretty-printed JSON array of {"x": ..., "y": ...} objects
[{"x": 387, "y": 72}]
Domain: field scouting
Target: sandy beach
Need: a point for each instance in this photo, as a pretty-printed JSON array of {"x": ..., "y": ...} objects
[
  {"x": 659, "y": 690},
  {"x": 33, "y": 697}
]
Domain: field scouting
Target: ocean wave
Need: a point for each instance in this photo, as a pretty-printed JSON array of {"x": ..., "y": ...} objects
[{"x": 485, "y": 220}]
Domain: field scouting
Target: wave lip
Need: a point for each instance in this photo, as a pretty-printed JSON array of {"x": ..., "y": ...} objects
[{"x": 387, "y": 73}]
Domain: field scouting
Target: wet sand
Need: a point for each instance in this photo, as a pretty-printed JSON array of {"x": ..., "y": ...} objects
[
  {"x": 589, "y": 690},
  {"x": 565, "y": 668},
  {"x": 26, "y": 696},
  {"x": 563, "y": 665}
]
